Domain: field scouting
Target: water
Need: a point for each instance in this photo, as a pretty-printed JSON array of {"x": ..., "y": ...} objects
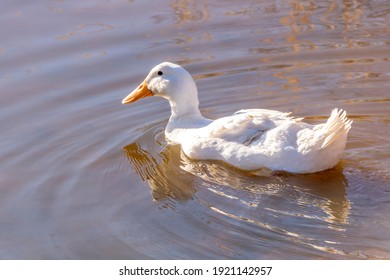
[{"x": 85, "y": 177}]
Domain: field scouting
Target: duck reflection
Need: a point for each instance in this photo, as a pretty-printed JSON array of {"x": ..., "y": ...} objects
[
  {"x": 329, "y": 187},
  {"x": 170, "y": 174},
  {"x": 162, "y": 173}
]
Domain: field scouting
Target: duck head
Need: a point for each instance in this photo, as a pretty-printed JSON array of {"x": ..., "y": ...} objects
[{"x": 172, "y": 82}]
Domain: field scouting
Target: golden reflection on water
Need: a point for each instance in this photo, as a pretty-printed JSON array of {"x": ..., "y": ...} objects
[
  {"x": 299, "y": 21},
  {"x": 352, "y": 16},
  {"x": 190, "y": 10}
]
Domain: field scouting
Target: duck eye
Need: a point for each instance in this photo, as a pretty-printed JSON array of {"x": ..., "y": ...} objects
[{"x": 159, "y": 73}]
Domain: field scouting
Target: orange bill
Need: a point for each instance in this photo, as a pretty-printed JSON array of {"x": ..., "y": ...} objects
[{"x": 140, "y": 92}]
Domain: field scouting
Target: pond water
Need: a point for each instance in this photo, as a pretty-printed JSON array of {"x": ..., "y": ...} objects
[{"x": 84, "y": 177}]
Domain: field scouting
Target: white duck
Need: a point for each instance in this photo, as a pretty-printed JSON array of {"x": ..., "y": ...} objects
[{"x": 249, "y": 139}]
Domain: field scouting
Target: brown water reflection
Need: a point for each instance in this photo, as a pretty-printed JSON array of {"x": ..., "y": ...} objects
[{"x": 83, "y": 177}]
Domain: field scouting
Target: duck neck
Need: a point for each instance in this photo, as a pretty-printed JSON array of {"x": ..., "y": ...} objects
[{"x": 185, "y": 108}]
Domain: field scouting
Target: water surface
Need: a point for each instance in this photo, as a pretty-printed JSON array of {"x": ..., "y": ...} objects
[{"x": 84, "y": 177}]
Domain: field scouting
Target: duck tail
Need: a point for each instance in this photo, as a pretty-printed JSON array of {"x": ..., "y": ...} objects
[{"x": 338, "y": 124}]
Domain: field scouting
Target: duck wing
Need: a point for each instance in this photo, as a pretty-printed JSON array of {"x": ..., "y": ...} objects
[{"x": 246, "y": 126}]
